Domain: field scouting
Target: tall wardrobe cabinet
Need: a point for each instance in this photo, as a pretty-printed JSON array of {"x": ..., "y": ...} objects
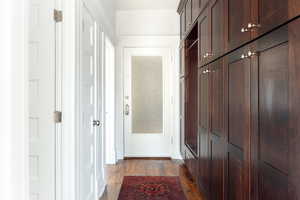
[{"x": 240, "y": 98}]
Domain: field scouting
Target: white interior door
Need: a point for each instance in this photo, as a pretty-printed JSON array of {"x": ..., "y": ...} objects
[
  {"x": 88, "y": 108},
  {"x": 41, "y": 100},
  {"x": 147, "y": 102}
]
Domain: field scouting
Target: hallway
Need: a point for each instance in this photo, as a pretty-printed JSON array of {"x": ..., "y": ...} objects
[{"x": 140, "y": 167}]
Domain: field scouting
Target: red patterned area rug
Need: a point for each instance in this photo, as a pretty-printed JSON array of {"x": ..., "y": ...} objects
[{"x": 151, "y": 188}]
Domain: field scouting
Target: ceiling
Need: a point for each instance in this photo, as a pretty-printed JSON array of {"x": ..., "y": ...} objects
[{"x": 147, "y": 4}]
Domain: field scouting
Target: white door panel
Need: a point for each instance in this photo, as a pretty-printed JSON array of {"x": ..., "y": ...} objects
[
  {"x": 88, "y": 109},
  {"x": 147, "y": 102},
  {"x": 41, "y": 100}
]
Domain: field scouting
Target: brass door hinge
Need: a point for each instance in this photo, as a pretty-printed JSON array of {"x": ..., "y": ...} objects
[
  {"x": 58, "y": 16},
  {"x": 57, "y": 117}
]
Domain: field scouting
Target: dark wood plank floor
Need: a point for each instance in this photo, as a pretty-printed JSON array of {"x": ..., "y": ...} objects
[{"x": 115, "y": 174}]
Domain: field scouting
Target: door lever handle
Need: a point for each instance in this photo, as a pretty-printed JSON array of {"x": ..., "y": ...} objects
[
  {"x": 127, "y": 109},
  {"x": 96, "y": 123}
]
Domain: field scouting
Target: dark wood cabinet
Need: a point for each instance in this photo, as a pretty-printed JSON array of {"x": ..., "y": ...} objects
[
  {"x": 191, "y": 130},
  {"x": 188, "y": 15},
  {"x": 269, "y": 14},
  {"x": 240, "y": 90},
  {"x": 203, "y": 102},
  {"x": 270, "y": 97},
  {"x": 204, "y": 37},
  {"x": 217, "y": 29},
  {"x": 238, "y": 16},
  {"x": 217, "y": 129},
  {"x": 182, "y": 117},
  {"x": 238, "y": 98}
]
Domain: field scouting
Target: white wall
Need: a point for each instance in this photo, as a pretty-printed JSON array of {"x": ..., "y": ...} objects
[
  {"x": 104, "y": 11},
  {"x": 146, "y": 28},
  {"x": 147, "y": 23},
  {"x": 13, "y": 103}
]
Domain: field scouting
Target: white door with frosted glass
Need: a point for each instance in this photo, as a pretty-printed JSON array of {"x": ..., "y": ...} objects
[{"x": 147, "y": 102}]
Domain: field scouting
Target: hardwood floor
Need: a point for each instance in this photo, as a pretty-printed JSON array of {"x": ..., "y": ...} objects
[{"x": 115, "y": 174}]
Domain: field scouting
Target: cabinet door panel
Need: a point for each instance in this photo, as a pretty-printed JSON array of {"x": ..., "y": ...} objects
[
  {"x": 204, "y": 38},
  {"x": 217, "y": 98},
  {"x": 273, "y": 185},
  {"x": 239, "y": 102},
  {"x": 217, "y": 28},
  {"x": 191, "y": 134},
  {"x": 239, "y": 16},
  {"x": 271, "y": 13},
  {"x": 274, "y": 106},
  {"x": 217, "y": 155},
  {"x": 204, "y": 159},
  {"x": 235, "y": 175}
]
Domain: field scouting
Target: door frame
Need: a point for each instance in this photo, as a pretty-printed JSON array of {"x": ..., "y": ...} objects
[{"x": 167, "y": 94}]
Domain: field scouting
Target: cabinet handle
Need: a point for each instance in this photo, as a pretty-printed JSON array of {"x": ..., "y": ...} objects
[
  {"x": 206, "y": 71},
  {"x": 243, "y": 56},
  {"x": 250, "y": 27},
  {"x": 248, "y": 54},
  {"x": 244, "y": 30},
  {"x": 206, "y": 55}
]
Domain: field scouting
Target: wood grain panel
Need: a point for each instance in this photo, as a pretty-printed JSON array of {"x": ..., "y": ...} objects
[
  {"x": 238, "y": 17},
  {"x": 217, "y": 98},
  {"x": 239, "y": 102},
  {"x": 217, "y": 27},
  {"x": 235, "y": 176},
  {"x": 271, "y": 13},
  {"x": 217, "y": 168},
  {"x": 273, "y": 185},
  {"x": 274, "y": 106}
]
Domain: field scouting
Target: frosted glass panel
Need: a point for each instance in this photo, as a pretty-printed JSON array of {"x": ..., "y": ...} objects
[{"x": 147, "y": 94}]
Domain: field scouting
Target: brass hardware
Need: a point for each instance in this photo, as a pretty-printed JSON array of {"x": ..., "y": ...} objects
[
  {"x": 205, "y": 71},
  {"x": 250, "y": 27},
  {"x": 57, "y": 115},
  {"x": 58, "y": 16},
  {"x": 243, "y": 56},
  {"x": 250, "y": 53},
  {"x": 206, "y": 55},
  {"x": 243, "y": 30},
  {"x": 127, "y": 109}
]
